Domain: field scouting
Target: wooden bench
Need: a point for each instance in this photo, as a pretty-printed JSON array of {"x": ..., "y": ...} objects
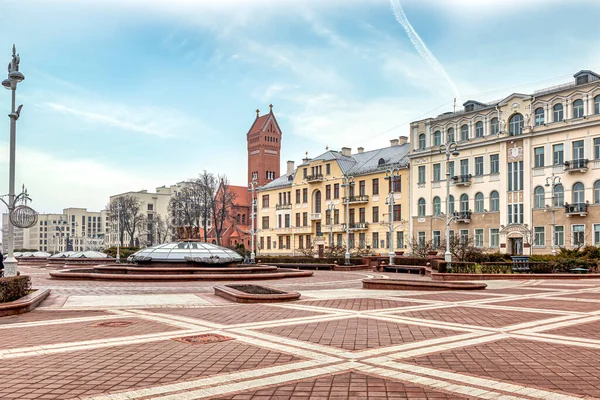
[{"x": 405, "y": 268}]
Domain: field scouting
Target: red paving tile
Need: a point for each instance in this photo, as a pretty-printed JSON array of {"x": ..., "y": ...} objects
[
  {"x": 562, "y": 305},
  {"x": 534, "y": 364},
  {"x": 568, "y": 287},
  {"x": 523, "y": 291},
  {"x": 450, "y": 296},
  {"x": 584, "y": 295},
  {"x": 349, "y": 385},
  {"x": 476, "y": 316},
  {"x": 359, "y": 304},
  {"x": 238, "y": 314},
  {"x": 43, "y": 315},
  {"x": 67, "y": 375},
  {"x": 77, "y": 332},
  {"x": 358, "y": 333},
  {"x": 590, "y": 330}
]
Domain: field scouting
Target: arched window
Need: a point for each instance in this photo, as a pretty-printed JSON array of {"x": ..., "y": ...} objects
[
  {"x": 479, "y": 202},
  {"x": 421, "y": 207},
  {"x": 451, "y": 204},
  {"x": 243, "y": 219},
  {"x": 479, "y": 129},
  {"x": 317, "y": 201},
  {"x": 495, "y": 126},
  {"x": 494, "y": 201},
  {"x": 464, "y": 132},
  {"x": 539, "y": 116},
  {"x": 538, "y": 197},
  {"x": 450, "y": 137},
  {"x": 559, "y": 195},
  {"x": 237, "y": 218},
  {"x": 597, "y": 192},
  {"x": 578, "y": 108},
  {"x": 437, "y": 206},
  {"x": 381, "y": 162},
  {"x": 578, "y": 193},
  {"x": 558, "y": 112},
  {"x": 464, "y": 202},
  {"x": 437, "y": 138},
  {"x": 422, "y": 141},
  {"x": 515, "y": 125},
  {"x": 597, "y": 104}
]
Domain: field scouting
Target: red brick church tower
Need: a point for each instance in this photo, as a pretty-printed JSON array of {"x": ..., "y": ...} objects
[{"x": 264, "y": 148}]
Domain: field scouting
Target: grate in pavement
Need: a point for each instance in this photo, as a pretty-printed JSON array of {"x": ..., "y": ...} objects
[
  {"x": 114, "y": 324},
  {"x": 203, "y": 339}
]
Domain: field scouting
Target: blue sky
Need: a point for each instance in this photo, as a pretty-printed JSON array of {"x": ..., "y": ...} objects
[{"x": 132, "y": 94}]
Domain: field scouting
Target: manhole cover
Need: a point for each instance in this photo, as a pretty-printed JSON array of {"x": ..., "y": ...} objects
[
  {"x": 203, "y": 339},
  {"x": 114, "y": 324}
]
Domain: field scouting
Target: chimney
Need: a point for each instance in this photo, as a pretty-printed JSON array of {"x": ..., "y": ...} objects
[
  {"x": 346, "y": 151},
  {"x": 403, "y": 140},
  {"x": 290, "y": 168},
  {"x": 360, "y": 150},
  {"x": 394, "y": 142}
]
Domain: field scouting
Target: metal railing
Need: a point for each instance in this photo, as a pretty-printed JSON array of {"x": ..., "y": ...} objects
[
  {"x": 462, "y": 179},
  {"x": 462, "y": 216},
  {"x": 581, "y": 163},
  {"x": 285, "y": 206},
  {"x": 314, "y": 178},
  {"x": 357, "y": 225},
  {"x": 576, "y": 208},
  {"x": 363, "y": 198}
]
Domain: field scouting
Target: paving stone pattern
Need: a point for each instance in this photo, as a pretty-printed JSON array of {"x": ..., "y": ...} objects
[{"x": 359, "y": 304}]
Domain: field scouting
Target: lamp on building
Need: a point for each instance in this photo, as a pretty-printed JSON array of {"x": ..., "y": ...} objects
[{"x": 449, "y": 149}]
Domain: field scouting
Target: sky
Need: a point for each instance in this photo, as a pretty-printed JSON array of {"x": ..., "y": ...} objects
[{"x": 125, "y": 95}]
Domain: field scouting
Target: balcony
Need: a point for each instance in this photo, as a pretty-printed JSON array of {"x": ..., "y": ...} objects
[
  {"x": 287, "y": 206},
  {"x": 579, "y": 165},
  {"x": 315, "y": 216},
  {"x": 462, "y": 216},
  {"x": 363, "y": 198},
  {"x": 333, "y": 228},
  {"x": 314, "y": 178},
  {"x": 576, "y": 209},
  {"x": 358, "y": 226},
  {"x": 462, "y": 180}
]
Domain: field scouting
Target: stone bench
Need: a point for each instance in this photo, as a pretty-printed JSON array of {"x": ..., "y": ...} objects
[{"x": 405, "y": 268}]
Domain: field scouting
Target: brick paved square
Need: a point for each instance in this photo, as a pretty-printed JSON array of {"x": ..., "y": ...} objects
[
  {"x": 584, "y": 295},
  {"x": 77, "y": 332},
  {"x": 71, "y": 374},
  {"x": 548, "y": 304},
  {"x": 590, "y": 330},
  {"x": 363, "y": 304},
  {"x": 43, "y": 315},
  {"x": 548, "y": 366},
  {"x": 358, "y": 333},
  {"x": 476, "y": 316},
  {"x": 521, "y": 291},
  {"x": 349, "y": 385},
  {"x": 451, "y": 296},
  {"x": 239, "y": 314}
]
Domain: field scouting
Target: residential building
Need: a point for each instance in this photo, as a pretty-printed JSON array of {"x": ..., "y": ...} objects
[{"x": 508, "y": 151}]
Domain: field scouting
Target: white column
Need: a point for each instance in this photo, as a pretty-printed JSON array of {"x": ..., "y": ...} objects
[
  {"x": 549, "y": 114},
  {"x": 590, "y": 105},
  {"x": 568, "y": 109},
  {"x": 585, "y": 104},
  {"x": 486, "y": 127}
]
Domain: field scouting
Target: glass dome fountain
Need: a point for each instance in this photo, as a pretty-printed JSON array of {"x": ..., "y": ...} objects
[{"x": 187, "y": 252}]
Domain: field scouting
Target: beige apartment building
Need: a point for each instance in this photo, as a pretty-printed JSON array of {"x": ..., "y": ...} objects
[
  {"x": 306, "y": 210},
  {"x": 527, "y": 176}
]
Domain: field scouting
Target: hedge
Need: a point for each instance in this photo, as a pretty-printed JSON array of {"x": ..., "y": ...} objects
[
  {"x": 307, "y": 260},
  {"x": 14, "y": 287}
]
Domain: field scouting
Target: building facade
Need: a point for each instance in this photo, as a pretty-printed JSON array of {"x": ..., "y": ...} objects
[
  {"x": 526, "y": 178},
  {"x": 305, "y": 211}
]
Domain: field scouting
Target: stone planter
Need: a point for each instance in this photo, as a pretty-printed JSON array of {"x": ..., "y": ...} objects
[
  {"x": 24, "y": 304},
  {"x": 254, "y": 294}
]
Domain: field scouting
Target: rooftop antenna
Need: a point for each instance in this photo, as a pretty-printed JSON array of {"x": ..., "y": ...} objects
[{"x": 455, "y": 104}]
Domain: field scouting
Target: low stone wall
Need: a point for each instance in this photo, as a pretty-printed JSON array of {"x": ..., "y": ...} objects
[
  {"x": 24, "y": 304},
  {"x": 238, "y": 296},
  {"x": 500, "y": 277},
  {"x": 397, "y": 284},
  {"x": 351, "y": 267}
]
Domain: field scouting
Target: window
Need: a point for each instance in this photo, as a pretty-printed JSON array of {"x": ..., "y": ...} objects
[
  {"x": 451, "y": 168},
  {"x": 559, "y": 195},
  {"x": 478, "y": 166},
  {"x": 328, "y": 169},
  {"x": 559, "y": 236},
  {"x": 478, "y": 237},
  {"x": 464, "y": 202},
  {"x": 422, "y": 141},
  {"x": 464, "y": 132},
  {"x": 479, "y": 202},
  {"x": 539, "y": 116},
  {"x": 265, "y": 222},
  {"x": 265, "y": 201},
  {"x": 464, "y": 167},
  {"x": 297, "y": 219},
  {"x": 450, "y": 136},
  {"x": 464, "y": 236},
  {"x": 515, "y": 213},
  {"x": 375, "y": 240},
  {"x": 362, "y": 215},
  {"x": 578, "y": 108},
  {"x": 297, "y": 195},
  {"x": 495, "y": 126},
  {"x": 494, "y": 237},
  {"x": 287, "y": 220},
  {"x": 436, "y": 239},
  {"x": 494, "y": 201},
  {"x": 451, "y": 204},
  {"x": 351, "y": 215},
  {"x": 515, "y": 176},
  {"x": 578, "y": 150},
  {"x": 515, "y": 125},
  {"x": 539, "y": 157},
  {"x": 304, "y": 219},
  {"x": 578, "y": 235},
  {"x": 397, "y": 212},
  {"x": 558, "y": 112},
  {"x": 596, "y": 234},
  {"x": 305, "y": 195},
  {"x": 300, "y": 241},
  {"x": 437, "y": 206},
  {"x": 336, "y": 216},
  {"x": 421, "y": 206},
  {"x": 597, "y": 192},
  {"x": 597, "y": 148},
  {"x": 437, "y": 172},
  {"x": 375, "y": 214},
  {"x": 479, "y": 129},
  {"x": 578, "y": 193},
  {"x": 351, "y": 240},
  {"x": 421, "y": 238},
  {"x": 494, "y": 164},
  {"x": 539, "y": 236},
  {"x": 327, "y": 192},
  {"x": 597, "y": 104},
  {"x": 396, "y": 184},
  {"x": 558, "y": 157},
  {"x": 421, "y": 174},
  {"x": 336, "y": 190},
  {"x": 375, "y": 186},
  {"x": 361, "y": 240},
  {"x": 362, "y": 188},
  {"x": 305, "y": 172},
  {"x": 400, "y": 240},
  {"x": 437, "y": 138},
  {"x": 538, "y": 197}
]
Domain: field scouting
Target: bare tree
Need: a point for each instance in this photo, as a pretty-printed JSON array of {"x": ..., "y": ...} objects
[
  {"x": 222, "y": 204},
  {"x": 421, "y": 248},
  {"x": 208, "y": 189},
  {"x": 184, "y": 207},
  {"x": 161, "y": 229},
  {"x": 125, "y": 212}
]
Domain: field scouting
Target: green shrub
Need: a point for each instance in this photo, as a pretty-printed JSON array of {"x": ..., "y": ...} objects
[
  {"x": 14, "y": 287},
  {"x": 590, "y": 252},
  {"x": 307, "y": 260},
  {"x": 463, "y": 268},
  {"x": 540, "y": 268},
  {"x": 124, "y": 251},
  {"x": 499, "y": 268}
]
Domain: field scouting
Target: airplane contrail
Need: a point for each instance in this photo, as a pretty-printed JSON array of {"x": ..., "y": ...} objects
[{"x": 420, "y": 45}]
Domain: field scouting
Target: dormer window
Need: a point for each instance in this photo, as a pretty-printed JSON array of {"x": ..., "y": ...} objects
[
  {"x": 582, "y": 79},
  {"x": 381, "y": 162},
  {"x": 470, "y": 107}
]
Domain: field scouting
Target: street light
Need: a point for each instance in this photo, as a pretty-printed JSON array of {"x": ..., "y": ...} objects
[
  {"x": 331, "y": 208},
  {"x": 253, "y": 217},
  {"x": 118, "y": 259},
  {"x": 450, "y": 149},
  {"x": 348, "y": 181},
  {"x": 553, "y": 181},
  {"x": 392, "y": 174},
  {"x": 14, "y": 77}
]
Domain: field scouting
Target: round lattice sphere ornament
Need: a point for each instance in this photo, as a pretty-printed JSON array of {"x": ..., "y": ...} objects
[{"x": 23, "y": 217}]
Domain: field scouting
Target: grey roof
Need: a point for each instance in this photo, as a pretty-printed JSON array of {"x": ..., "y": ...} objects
[{"x": 280, "y": 182}]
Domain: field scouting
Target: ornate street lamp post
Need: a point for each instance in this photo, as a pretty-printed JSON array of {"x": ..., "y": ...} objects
[
  {"x": 331, "y": 208},
  {"x": 450, "y": 149},
  {"x": 553, "y": 181},
  {"x": 392, "y": 175},
  {"x": 348, "y": 181},
  {"x": 253, "y": 217}
]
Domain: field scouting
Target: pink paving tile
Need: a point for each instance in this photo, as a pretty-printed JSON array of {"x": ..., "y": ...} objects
[
  {"x": 589, "y": 330},
  {"x": 451, "y": 296},
  {"x": 562, "y": 305},
  {"x": 363, "y": 304},
  {"x": 584, "y": 295},
  {"x": 522, "y": 291},
  {"x": 43, "y": 315}
]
